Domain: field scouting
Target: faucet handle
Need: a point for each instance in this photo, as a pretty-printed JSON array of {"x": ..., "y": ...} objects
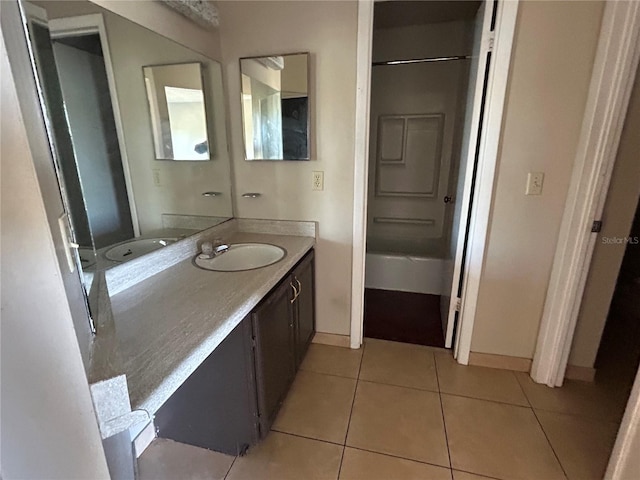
[{"x": 207, "y": 249}]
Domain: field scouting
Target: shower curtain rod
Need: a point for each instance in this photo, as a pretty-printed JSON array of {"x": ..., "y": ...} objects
[{"x": 421, "y": 60}]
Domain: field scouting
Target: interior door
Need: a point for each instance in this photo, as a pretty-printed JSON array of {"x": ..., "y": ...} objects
[{"x": 472, "y": 134}]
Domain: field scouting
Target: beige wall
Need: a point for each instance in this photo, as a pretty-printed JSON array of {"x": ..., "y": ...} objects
[
  {"x": 49, "y": 429},
  {"x": 328, "y": 31},
  {"x": 619, "y": 209},
  {"x": 552, "y": 61}
]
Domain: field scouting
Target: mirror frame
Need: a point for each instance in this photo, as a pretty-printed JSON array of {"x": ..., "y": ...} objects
[
  {"x": 207, "y": 119},
  {"x": 242, "y": 115}
]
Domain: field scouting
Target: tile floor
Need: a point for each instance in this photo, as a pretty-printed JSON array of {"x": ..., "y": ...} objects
[{"x": 394, "y": 411}]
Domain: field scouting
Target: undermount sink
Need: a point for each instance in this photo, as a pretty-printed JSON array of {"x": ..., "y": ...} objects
[
  {"x": 242, "y": 256},
  {"x": 131, "y": 249}
]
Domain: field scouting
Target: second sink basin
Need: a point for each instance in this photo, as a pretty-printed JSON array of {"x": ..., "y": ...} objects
[{"x": 242, "y": 256}]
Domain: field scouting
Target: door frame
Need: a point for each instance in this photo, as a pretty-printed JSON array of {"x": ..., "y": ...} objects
[
  {"x": 94, "y": 24},
  {"x": 506, "y": 17},
  {"x": 615, "y": 64}
]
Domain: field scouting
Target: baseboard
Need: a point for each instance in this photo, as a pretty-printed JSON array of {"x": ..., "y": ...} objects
[
  {"x": 585, "y": 374},
  {"x": 332, "y": 339},
  {"x": 144, "y": 439},
  {"x": 505, "y": 362}
]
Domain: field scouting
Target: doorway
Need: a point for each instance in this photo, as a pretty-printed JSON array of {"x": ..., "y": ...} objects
[
  {"x": 421, "y": 65},
  {"x": 409, "y": 215}
]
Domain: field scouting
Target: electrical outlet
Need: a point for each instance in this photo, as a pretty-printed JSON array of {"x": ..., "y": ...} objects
[
  {"x": 157, "y": 178},
  {"x": 534, "y": 183},
  {"x": 318, "y": 180}
]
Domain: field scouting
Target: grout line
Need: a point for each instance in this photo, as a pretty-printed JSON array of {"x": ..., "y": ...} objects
[
  {"x": 422, "y": 462},
  {"x": 444, "y": 423},
  {"x": 499, "y": 402},
  {"x": 580, "y": 416},
  {"x": 307, "y": 438},
  {"x": 323, "y": 373},
  {"x": 230, "y": 467},
  {"x": 474, "y": 473},
  {"x": 353, "y": 401},
  {"x": 550, "y": 444},
  {"x": 399, "y": 386}
]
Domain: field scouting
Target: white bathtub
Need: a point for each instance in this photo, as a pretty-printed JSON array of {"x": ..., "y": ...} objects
[{"x": 405, "y": 273}]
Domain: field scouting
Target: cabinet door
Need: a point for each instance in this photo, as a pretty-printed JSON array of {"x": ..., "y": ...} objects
[
  {"x": 273, "y": 335},
  {"x": 215, "y": 407},
  {"x": 303, "y": 278}
]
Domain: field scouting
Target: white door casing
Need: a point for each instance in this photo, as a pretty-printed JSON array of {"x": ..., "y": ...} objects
[
  {"x": 497, "y": 76},
  {"x": 612, "y": 79}
]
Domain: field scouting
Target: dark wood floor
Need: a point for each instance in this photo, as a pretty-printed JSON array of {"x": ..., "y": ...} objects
[{"x": 403, "y": 317}]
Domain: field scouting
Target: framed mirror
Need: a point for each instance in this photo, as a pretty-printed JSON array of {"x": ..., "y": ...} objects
[
  {"x": 177, "y": 111},
  {"x": 275, "y": 107}
]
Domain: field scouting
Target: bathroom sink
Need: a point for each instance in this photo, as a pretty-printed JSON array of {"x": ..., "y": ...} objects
[
  {"x": 131, "y": 249},
  {"x": 242, "y": 256}
]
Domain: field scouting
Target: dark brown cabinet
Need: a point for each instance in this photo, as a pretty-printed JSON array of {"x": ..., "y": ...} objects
[
  {"x": 233, "y": 397},
  {"x": 304, "y": 306},
  {"x": 283, "y": 325}
]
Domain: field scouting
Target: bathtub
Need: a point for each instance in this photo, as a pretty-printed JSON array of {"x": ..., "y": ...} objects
[{"x": 405, "y": 273}]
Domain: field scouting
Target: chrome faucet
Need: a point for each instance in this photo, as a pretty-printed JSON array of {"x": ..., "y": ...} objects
[{"x": 211, "y": 250}]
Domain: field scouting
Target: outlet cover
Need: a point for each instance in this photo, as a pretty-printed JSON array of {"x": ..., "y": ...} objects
[{"x": 318, "y": 181}]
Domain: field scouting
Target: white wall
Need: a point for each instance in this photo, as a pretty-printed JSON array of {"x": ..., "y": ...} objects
[
  {"x": 619, "y": 210},
  {"x": 551, "y": 67},
  {"x": 428, "y": 88},
  {"x": 49, "y": 429},
  {"x": 328, "y": 31}
]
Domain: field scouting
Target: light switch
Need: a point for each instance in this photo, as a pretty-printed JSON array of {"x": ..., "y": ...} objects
[
  {"x": 534, "y": 183},
  {"x": 157, "y": 177}
]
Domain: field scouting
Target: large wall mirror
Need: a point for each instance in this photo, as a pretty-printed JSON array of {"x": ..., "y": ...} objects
[
  {"x": 275, "y": 107},
  {"x": 118, "y": 97}
]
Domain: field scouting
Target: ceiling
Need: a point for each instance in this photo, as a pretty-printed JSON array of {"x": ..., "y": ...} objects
[{"x": 402, "y": 13}]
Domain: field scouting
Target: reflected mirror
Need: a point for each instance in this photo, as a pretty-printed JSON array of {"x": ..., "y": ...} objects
[
  {"x": 118, "y": 96},
  {"x": 177, "y": 111},
  {"x": 275, "y": 107}
]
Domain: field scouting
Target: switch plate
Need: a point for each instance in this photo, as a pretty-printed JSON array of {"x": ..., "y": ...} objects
[
  {"x": 534, "y": 183},
  {"x": 318, "y": 181}
]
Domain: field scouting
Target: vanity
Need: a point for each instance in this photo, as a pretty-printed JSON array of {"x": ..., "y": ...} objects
[
  {"x": 207, "y": 349},
  {"x": 230, "y": 401},
  {"x": 201, "y": 351}
]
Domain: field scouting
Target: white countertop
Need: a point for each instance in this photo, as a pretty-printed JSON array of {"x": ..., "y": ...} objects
[{"x": 168, "y": 324}]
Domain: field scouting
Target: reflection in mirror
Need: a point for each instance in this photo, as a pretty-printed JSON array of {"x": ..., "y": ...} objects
[
  {"x": 122, "y": 203},
  {"x": 275, "y": 107},
  {"x": 177, "y": 111}
]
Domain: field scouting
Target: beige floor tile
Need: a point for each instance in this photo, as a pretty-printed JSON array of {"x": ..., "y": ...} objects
[
  {"x": 458, "y": 475},
  {"x": 167, "y": 460},
  {"x": 478, "y": 382},
  {"x": 497, "y": 440},
  {"x": 400, "y": 364},
  {"x": 361, "y": 465},
  {"x": 317, "y": 406},
  {"x": 583, "y": 445},
  {"x": 587, "y": 399},
  {"x": 344, "y": 362},
  {"x": 286, "y": 457},
  {"x": 399, "y": 421}
]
